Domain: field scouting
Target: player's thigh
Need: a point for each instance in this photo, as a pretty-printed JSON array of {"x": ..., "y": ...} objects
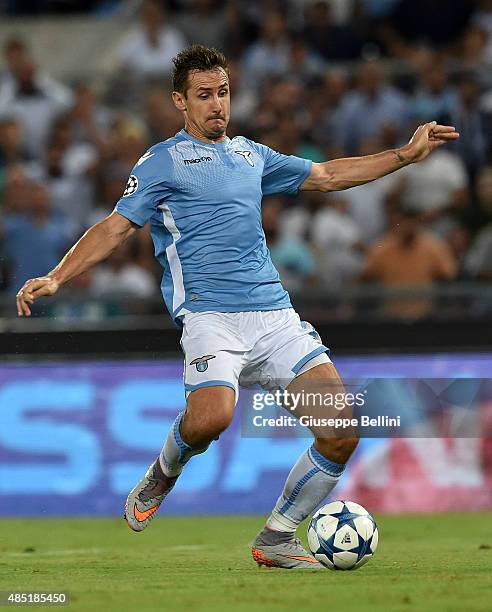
[
  {"x": 208, "y": 413},
  {"x": 212, "y": 355},
  {"x": 322, "y": 396},
  {"x": 213, "y": 360},
  {"x": 324, "y": 371},
  {"x": 211, "y": 389},
  {"x": 283, "y": 350}
]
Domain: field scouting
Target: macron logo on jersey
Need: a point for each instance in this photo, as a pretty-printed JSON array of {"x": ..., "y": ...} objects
[{"x": 197, "y": 160}]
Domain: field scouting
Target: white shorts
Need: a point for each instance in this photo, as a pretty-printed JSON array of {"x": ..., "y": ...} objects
[{"x": 269, "y": 348}]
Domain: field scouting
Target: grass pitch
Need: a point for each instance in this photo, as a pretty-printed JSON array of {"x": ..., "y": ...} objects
[{"x": 427, "y": 562}]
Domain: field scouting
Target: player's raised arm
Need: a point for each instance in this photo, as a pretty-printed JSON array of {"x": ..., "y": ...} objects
[
  {"x": 96, "y": 244},
  {"x": 349, "y": 172}
]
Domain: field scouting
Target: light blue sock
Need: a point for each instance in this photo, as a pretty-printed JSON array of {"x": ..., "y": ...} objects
[
  {"x": 175, "y": 453},
  {"x": 311, "y": 479}
]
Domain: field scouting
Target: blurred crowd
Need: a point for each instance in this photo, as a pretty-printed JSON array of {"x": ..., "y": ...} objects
[{"x": 317, "y": 79}]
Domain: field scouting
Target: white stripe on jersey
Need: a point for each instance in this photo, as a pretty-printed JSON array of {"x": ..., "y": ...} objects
[{"x": 173, "y": 258}]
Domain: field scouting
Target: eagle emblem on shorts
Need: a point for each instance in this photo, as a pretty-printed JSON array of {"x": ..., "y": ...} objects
[{"x": 201, "y": 363}]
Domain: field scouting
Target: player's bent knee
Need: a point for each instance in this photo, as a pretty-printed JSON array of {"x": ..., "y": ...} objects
[
  {"x": 208, "y": 414},
  {"x": 205, "y": 428},
  {"x": 218, "y": 422},
  {"x": 337, "y": 449}
]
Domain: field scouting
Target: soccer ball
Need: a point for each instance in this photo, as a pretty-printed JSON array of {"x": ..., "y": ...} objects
[{"x": 342, "y": 535}]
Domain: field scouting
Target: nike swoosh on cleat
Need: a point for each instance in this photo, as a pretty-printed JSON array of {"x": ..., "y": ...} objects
[
  {"x": 300, "y": 558},
  {"x": 142, "y": 516}
]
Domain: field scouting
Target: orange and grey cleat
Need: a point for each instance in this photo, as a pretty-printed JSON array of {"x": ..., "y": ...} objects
[
  {"x": 287, "y": 555},
  {"x": 145, "y": 498}
]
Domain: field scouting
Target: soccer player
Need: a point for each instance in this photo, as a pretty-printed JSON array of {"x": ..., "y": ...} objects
[{"x": 201, "y": 193}]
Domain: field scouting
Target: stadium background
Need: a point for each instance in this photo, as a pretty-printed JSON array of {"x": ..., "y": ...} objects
[{"x": 89, "y": 385}]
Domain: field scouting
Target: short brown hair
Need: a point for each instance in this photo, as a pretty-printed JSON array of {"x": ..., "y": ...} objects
[{"x": 196, "y": 57}]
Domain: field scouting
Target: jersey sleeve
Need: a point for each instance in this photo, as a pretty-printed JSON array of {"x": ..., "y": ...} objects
[
  {"x": 145, "y": 188},
  {"x": 282, "y": 173}
]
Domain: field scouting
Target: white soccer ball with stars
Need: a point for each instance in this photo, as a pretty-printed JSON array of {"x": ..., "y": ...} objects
[{"x": 343, "y": 535}]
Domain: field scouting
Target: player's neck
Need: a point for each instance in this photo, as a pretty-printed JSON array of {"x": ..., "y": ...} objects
[{"x": 193, "y": 131}]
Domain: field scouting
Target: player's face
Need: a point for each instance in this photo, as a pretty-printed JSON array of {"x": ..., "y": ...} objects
[{"x": 207, "y": 104}]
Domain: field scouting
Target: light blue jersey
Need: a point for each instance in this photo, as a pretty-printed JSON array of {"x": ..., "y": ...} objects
[{"x": 203, "y": 202}]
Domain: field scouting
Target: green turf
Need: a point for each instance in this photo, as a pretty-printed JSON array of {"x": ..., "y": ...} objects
[{"x": 430, "y": 562}]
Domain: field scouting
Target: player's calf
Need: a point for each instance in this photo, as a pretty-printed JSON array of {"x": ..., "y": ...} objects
[
  {"x": 146, "y": 497},
  {"x": 311, "y": 479},
  {"x": 208, "y": 413},
  {"x": 205, "y": 418},
  {"x": 337, "y": 449}
]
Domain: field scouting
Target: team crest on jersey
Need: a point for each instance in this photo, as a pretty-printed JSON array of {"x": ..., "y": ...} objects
[
  {"x": 131, "y": 186},
  {"x": 247, "y": 156},
  {"x": 201, "y": 363}
]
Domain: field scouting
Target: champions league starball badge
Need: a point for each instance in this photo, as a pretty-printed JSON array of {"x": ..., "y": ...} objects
[{"x": 131, "y": 186}]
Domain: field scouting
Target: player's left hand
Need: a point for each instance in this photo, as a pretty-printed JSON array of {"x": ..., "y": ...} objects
[
  {"x": 426, "y": 138},
  {"x": 33, "y": 289}
]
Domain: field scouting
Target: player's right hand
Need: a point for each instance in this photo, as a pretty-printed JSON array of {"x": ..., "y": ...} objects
[{"x": 33, "y": 289}]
